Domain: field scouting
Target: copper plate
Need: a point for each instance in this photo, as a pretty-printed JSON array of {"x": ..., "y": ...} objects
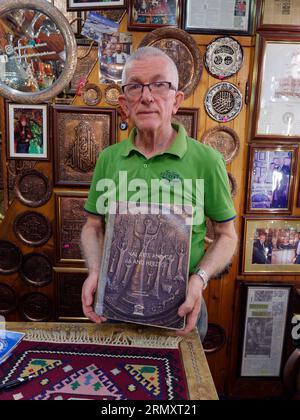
[
  {"x": 223, "y": 102},
  {"x": 8, "y": 299},
  {"x": 91, "y": 94},
  {"x": 184, "y": 51},
  {"x": 112, "y": 93},
  {"x": 36, "y": 307},
  {"x": 10, "y": 257},
  {"x": 36, "y": 270},
  {"x": 33, "y": 188},
  {"x": 32, "y": 228},
  {"x": 214, "y": 339},
  {"x": 223, "y": 57},
  {"x": 223, "y": 139},
  {"x": 233, "y": 185}
]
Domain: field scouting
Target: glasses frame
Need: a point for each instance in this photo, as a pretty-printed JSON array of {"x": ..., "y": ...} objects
[{"x": 143, "y": 85}]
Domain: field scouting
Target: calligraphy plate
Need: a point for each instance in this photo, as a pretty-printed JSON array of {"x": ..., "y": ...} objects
[
  {"x": 36, "y": 307},
  {"x": 33, "y": 188},
  {"x": 112, "y": 93},
  {"x": 184, "y": 51},
  {"x": 32, "y": 228},
  {"x": 10, "y": 257},
  {"x": 223, "y": 102},
  {"x": 8, "y": 299},
  {"x": 36, "y": 270},
  {"x": 224, "y": 57},
  {"x": 223, "y": 139},
  {"x": 91, "y": 94}
]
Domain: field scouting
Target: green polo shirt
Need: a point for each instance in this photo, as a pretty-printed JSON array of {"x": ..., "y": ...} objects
[{"x": 121, "y": 170}]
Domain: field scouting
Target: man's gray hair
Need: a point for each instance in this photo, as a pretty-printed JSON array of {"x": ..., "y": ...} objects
[{"x": 146, "y": 52}]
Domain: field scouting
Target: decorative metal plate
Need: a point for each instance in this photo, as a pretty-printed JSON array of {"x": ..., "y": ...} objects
[
  {"x": 8, "y": 299},
  {"x": 10, "y": 257},
  {"x": 223, "y": 102},
  {"x": 32, "y": 228},
  {"x": 36, "y": 307},
  {"x": 184, "y": 51},
  {"x": 112, "y": 93},
  {"x": 233, "y": 184},
  {"x": 36, "y": 270},
  {"x": 223, "y": 139},
  {"x": 33, "y": 188},
  {"x": 224, "y": 57},
  {"x": 91, "y": 94},
  {"x": 214, "y": 339}
]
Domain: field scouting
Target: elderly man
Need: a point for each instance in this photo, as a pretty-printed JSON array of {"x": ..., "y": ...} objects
[{"x": 156, "y": 148}]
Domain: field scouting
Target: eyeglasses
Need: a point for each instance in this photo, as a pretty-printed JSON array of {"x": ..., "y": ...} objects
[{"x": 134, "y": 90}]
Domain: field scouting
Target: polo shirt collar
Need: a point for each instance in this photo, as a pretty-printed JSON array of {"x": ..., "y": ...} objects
[{"x": 177, "y": 148}]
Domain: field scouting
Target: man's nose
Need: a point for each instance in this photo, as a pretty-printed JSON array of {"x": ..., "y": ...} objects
[{"x": 146, "y": 94}]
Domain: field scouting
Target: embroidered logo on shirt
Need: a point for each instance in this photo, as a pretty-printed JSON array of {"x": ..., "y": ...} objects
[{"x": 171, "y": 176}]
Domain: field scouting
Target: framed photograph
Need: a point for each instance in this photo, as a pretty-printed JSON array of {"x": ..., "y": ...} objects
[
  {"x": 272, "y": 171},
  {"x": 276, "y": 112},
  {"x": 189, "y": 118},
  {"x": 233, "y": 17},
  {"x": 27, "y": 135},
  {"x": 271, "y": 245},
  {"x": 95, "y": 4},
  {"x": 264, "y": 329},
  {"x": 70, "y": 218},
  {"x": 79, "y": 135},
  {"x": 281, "y": 15},
  {"x": 149, "y": 15}
]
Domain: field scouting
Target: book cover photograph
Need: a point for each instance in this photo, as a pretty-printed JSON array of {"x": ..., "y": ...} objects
[{"x": 145, "y": 266}]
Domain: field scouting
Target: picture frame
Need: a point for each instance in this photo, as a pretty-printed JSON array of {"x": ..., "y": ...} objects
[
  {"x": 264, "y": 329},
  {"x": 277, "y": 15},
  {"x": 79, "y": 135},
  {"x": 271, "y": 245},
  {"x": 27, "y": 132},
  {"x": 95, "y": 4},
  {"x": 189, "y": 118},
  {"x": 73, "y": 18},
  {"x": 144, "y": 16},
  {"x": 202, "y": 18},
  {"x": 276, "y": 104},
  {"x": 70, "y": 218},
  {"x": 272, "y": 170}
]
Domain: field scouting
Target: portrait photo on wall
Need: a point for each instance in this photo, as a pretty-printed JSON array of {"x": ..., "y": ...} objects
[
  {"x": 95, "y": 4},
  {"x": 271, "y": 178},
  {"x": 27, "y": 131},
  {"x": 148, "y": 15},
  {"x": 272, "y": 245}
]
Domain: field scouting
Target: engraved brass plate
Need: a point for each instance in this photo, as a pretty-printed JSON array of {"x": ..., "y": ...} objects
[
  {"x": 10, "y": 257},
  {"x": 223, "y": 102},
  {"x": 36, "y": 307},
  {"x": 36, "y": 270},
  {"x": 223, "y": 139},
  {"x": 32, "y": 228},
  {"x": 33, "y": 188},
  {"x": 8, "y": 299}
]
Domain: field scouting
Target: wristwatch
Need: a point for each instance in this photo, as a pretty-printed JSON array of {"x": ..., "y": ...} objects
[{"x": 203, "y": 275}]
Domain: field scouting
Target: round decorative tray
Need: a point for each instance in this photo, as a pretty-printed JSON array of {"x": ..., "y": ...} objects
[
  {"x": 8, "y": 299},
  {"x": 214, "y": 339},
  {"x": 33, "y": 188},
  {"x": 36, "y": 307},
  {"x": 91, "y": 94},
  {"x": 36, "y": 270},
  {"x": 223, "y": 102},
  {"x": 10, "y": 257},
  {"x": 223, "y": 139},
  {"x": 32, "y": 228},
  {"x": 112, "y": 93},
  {"x": 224, "y": 57}
]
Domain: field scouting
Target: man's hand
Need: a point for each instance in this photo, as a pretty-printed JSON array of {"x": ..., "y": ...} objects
[
  {"x": 192, "y": 305},
  {"x": 87, "y": 296}
]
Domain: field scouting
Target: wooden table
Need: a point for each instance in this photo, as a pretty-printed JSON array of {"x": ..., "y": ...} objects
[{"x": 199, "y": 379}]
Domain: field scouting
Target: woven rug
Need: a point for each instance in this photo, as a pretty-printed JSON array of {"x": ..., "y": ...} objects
[{"x": 66, "y": 368}]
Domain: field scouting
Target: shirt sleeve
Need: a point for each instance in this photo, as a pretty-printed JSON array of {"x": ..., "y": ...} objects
[{"x": 218, "y": 204}]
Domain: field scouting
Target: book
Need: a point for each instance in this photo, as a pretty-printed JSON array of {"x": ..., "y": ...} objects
[
  {"x": 8, "y": 341},
  {"x": 145, "y": 265}
]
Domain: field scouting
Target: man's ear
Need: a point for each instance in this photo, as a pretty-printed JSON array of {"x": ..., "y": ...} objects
[
  {"x": 179, "y": 98},
  {"x": 123, "y": 105}
]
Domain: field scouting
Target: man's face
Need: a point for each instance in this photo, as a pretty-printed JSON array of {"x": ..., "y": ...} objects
[{"x": 151, "y": 112}]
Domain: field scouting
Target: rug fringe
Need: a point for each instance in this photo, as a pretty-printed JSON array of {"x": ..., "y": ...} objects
[{"x": 73, "y": 335}]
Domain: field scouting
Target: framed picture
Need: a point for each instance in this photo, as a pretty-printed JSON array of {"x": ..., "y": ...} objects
[
  {"x": 264, "y": 329},
  {"x": 70, "y": 218},
  {"x": 276, "y": 113},
  {"x": 281, "y": 15},
  {"x": 79, "y": 135},
  {"x": 27, "y": 135},
  {"x": 73, "y": 18},
  {"x": 271, "y": 245},
  {"x": 189, "y": 118},
  {"x": 233, "y": 17},
  {"x": 149, "y": 15},
  {"x": 95, "y": 4},
  {"x": 271, "y": 183}
]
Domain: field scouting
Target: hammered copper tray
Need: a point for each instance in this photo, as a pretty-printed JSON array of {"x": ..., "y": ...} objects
[
  {"x": 36, "y": 270},
  {"x": 33, "y": 188},
  {"x": 10, "y": 257},
  {"x": 32, "y": 228},
  {"x": 8, "y": 299},
  {"x": 36, "y": 307},
  {"x": 223, "y": 139},
  {"x": 91, "y": 94},
  {"x": 112, "y": 93},
  {"x": 183, "y": 49}
]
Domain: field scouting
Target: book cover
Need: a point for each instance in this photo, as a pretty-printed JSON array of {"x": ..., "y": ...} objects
[
  {"x": 8, "y": 341},
  {"x": 144, "y": 271}
]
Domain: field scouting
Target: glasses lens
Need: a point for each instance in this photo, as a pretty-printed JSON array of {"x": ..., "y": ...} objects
[
  {"x": 159, "y": 88},
  {"x": 133, "y": 90}
]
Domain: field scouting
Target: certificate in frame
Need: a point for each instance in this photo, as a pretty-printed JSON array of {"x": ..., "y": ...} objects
[
  {"x": 276, "y": 109},
  {"x": 278, "y": 15},
  {"x": 264, "y": 328},
  {"x": 232, "y": 17}
]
